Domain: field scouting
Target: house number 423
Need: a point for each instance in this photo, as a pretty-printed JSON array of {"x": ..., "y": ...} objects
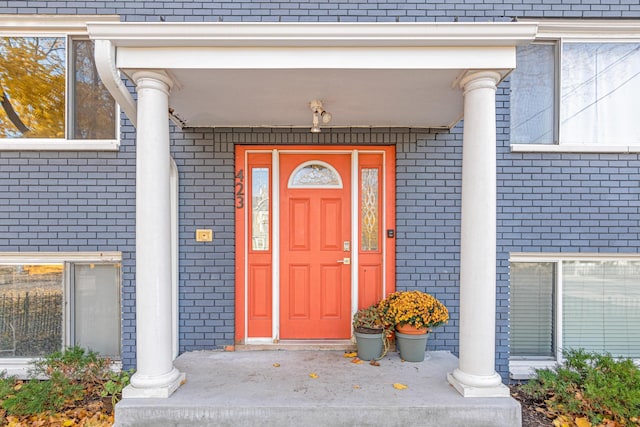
[{"x": 239, "y": 189}]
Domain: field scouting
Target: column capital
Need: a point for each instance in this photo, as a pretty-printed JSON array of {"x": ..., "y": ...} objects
[
  {"x": 151, "y": 79},
  {"x": 479, "y": 80}
]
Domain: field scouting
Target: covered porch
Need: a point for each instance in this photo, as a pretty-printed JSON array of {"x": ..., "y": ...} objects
[
  {"x": 269, "y": 75},
  {"x": 274, "y": 388}
]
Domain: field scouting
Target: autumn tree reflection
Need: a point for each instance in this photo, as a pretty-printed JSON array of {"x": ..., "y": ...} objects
[
  {"x": 35, "y": 81},
  {"x": 32, "y": 80}
]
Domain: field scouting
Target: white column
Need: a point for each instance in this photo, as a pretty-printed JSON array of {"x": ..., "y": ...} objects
[
  {"x": 155, "y": 374},
  {"x": 476, "y": 375}
]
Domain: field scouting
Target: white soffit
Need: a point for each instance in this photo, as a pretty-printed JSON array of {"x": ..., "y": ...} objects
[
  {"x": 587, "y": 29},
  {"x": 38, "y": 24},
  {"x": 265, "y": 74}
]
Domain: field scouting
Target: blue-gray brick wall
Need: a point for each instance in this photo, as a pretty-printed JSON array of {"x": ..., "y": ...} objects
[
  {"x": 428, "y": 179},
  {"x": 206, "y": 290},
  {"x": 331, "y": 10},
  {"x": 85, "y": 201}
]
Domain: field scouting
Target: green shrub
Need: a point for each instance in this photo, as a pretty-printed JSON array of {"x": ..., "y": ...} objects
[
  {"x": 36, "y": 396},
  {"x": 113, "y": 387},
  {"x": 71, "y": 375},
  {"x": 74, "y": 363},
  {"x": 596, "y": 386}
]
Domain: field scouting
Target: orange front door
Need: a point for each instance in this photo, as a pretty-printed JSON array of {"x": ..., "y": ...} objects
[{"x": 315, "y": 234}]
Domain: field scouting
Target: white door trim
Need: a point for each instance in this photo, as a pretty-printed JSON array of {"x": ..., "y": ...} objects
[
  {"x": 275, "y": 253},
  {"x": 354, "y": 232}
]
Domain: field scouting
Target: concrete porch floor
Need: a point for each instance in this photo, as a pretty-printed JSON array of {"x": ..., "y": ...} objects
[{"x": 273, "y": 388}]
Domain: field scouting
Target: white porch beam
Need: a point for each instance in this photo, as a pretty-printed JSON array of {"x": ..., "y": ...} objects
[
  {"x": 309, "y": 34},
  {"x": 476, "y": 375},
  {"x": 324, "y": 58},
  {"x": 155, "y": 376}
]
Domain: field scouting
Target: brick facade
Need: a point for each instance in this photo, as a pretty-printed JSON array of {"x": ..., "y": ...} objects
[{"x": 85, "y": 201}]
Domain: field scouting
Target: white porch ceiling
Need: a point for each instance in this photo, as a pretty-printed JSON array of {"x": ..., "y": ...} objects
[
  {"x": 256, "y": 75},
  {"x": 387, "y": 98}
]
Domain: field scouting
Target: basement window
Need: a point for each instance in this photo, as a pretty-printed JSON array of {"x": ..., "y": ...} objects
[
  {"x": 52, "y": 301},
  {"x": 564, "y": 301}
]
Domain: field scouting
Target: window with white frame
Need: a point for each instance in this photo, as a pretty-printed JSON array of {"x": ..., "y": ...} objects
[
  {"x": 50, "y": 92},
  {"x": 532, "y": 95},
  {"x": 577, "y": 93},
  {"x": 570, "y": 302},
  {"x": 532, "y": 309},
  {"x": 51, "y": 301}
]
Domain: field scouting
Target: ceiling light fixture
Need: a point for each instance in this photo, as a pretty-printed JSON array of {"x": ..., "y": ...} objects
[{"x": 318, "y": 113}]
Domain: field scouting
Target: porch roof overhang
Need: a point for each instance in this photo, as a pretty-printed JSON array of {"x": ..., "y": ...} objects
[{"x": 266, "y": 74}]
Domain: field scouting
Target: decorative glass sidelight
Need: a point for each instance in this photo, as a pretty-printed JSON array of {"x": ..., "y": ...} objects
[
  {"x": 260, "y": 209},
  {"x": 369, "y": 191}
]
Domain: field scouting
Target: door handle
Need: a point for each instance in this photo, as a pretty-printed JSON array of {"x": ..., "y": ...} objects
[{"x": 346, "y": 261}]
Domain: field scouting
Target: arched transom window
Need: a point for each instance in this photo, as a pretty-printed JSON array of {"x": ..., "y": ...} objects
[{"x": 315, "y": 174}]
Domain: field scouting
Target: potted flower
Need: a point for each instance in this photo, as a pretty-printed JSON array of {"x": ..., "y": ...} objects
[
  {"x": 369, "y": 320},
  {"x": 412, "y": 314},
  {"x": 370, "y": 333}
]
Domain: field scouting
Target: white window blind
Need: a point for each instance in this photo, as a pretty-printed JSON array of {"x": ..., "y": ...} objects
[
  {"x": 601, "y": 306},
  {"x": 532, "y": 285},
  {"x": 96, "y": 314}
]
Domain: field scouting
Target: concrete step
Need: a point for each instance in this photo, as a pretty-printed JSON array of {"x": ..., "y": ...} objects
[{"x": 274, "y": 388}]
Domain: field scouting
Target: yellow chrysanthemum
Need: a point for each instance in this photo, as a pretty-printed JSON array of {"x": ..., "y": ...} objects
[{"x": 414, "y": 308}]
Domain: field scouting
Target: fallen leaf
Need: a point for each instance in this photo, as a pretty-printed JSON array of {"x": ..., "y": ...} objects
[
  {"x": 374, "y": 363},
  {"x": 561, "y": 422},
  {"x": 276, "y": 365},
  {"x": 313, "y": 375},
  {"x": 352, "y": 354},
  {"x": 356, "y": 360},
  {"x": 356, "y": 386},
  {"x": 582, "y": 422},
  {"x": 399, "y": 386}
]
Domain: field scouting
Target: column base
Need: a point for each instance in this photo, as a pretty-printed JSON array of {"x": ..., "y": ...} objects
[
  {"x": 163, "y": 391},
  {"x": 485, "y": 387}
]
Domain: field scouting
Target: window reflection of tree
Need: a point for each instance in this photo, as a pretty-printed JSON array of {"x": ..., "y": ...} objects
[
  {"x": 94, "y": 112},
  {"x": 32, "y": 75}
]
